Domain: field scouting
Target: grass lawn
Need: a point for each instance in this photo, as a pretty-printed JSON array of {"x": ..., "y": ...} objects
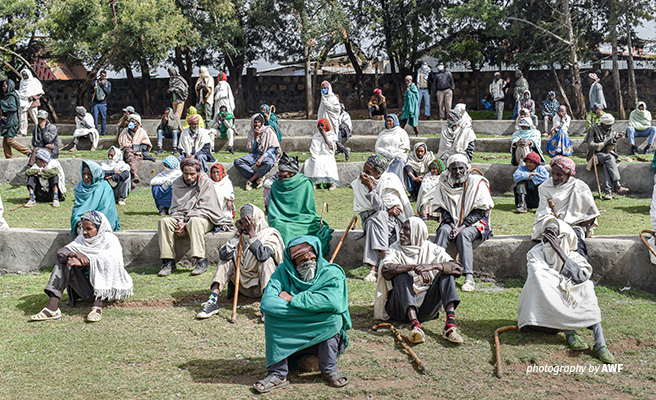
[{"x": 151, "y": 347}]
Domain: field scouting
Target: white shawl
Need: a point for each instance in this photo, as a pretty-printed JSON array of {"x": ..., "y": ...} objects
[
  {"x": 224, "y": 192},
  {"x": 393, "y": 143},
  {"x": 322, "y": 166},
  {"x": 223, "y": 97},
  {"x": 329, "y": 108},
  {"x": 426, "y": 192},
  {"x": 166, "y": 177},
  {"x": 30, "y": 87},
  {"x": 187, "y": 143},
  {"x": 551, "y": 300},
  {"x": 573, "y": 204},
  {"x": 54, "y": 163},
  {"x": 84, "y": 126},
  {"x": 115, "y": 164},
  {"x": 108, "y": 276},
  {"x": 3, "y": 223},
  {"x": 455, "y": 140},
  {"x": 389, "y": 188},
  {"x": 449, "y": 198},
  {"x": 420, "y": 251}
]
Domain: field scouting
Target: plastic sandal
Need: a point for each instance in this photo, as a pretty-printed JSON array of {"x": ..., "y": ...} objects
[
  {"x": 468, "y": 286},
  {"x": 452, "y": 335},
  {"x": 333, "y": 379},
  {"x": 416, "y": 335},
  {"x": 51, "y": 315},
  {"x": 371, "y": 277},
  {"x": 95, "y": 315},
  {"x": 578, "y": 344},
  {"x": 270, "y": 383},
  {"x": 606, "y": 357}
]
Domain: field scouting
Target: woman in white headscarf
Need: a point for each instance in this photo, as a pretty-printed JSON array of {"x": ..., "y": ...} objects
[
  {"x": 117, "y": 174},
  {"x": 29, "y": 92},
  {"x": 321, "y": 168},
  {"x": 393, "y": 144},
  {"x": 329, "y": 107},
  {"x": 457, "y": 135},
  {"x": 416, "y": 167}
]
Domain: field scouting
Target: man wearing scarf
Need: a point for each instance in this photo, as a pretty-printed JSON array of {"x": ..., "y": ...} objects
[
  {"x": 179, "y": 90},
  {"x": 194, "y": 211},
  {"x": 558, "y": 294},
  {"x": 169, "y": 127},
  {"x": 344, "y": 132},
  {"x": 262, "y": 251},
  {"x": 91, "y": 268},
  {"x": 224, "y": 123},
  {"x": 601, "y": 150},
  {"x": 424, "y": 80},
  {"x": 464, "y": 202},
  {"x": 45, "y": 180},
  {"x": 205, "y": 94},
  {"x": 524, "y": 141},
  {"x": 379, "y": 198},
  {"x": 410, "y": 113},
  {"x": 195, "y": 142},
  {"x": 264, "y": 151},
  {"x": 29, "y": 91},
  {"x": 416, "y": 168},
  {"x": 84, "y": 127},
  {"x": 135, "y": 144},
  {"x": 100, "y": 89},
  {"x": 305, "y": 307},
  {"x": 549, "y": 109},
  {"x": 417, "y": 277},
  {"x": 10, "y": 105},
  {"x": 223, "y": 94},
  {"x": 521, "y": 85},
  {"x": 569, "y": 200},
  {"x": 292, "y": 209},
  {"x": 457, "y": 135},
  {"x": 117, "y": 174},
  {"x": 44, "y": 136},
  {"x": 528, "y": 178},
  {"x": 93, "y": 192},
  {"x": 596, "y": 94},
  {"x": 640, "y": 125}
]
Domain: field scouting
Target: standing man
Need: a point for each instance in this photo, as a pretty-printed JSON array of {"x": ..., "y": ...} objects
[
  {"x": 205, "y": 94},
  {"x": 596, "y": 94},
  {"x": 9, "y": 121},
  {"x": 423, "y": 84},
  {"x": 100, "y": 89},
  {"x": 410, "y": 105},
  {"x": 444, "y": 84},
  {"x": 521, "y": 86},
  {"x": 498, "y": 92}
]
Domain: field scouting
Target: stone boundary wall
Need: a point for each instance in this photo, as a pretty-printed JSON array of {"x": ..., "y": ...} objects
[{"x": 288, "y": 92}]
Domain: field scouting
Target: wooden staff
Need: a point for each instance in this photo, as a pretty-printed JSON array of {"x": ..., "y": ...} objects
[
  {"x": 497, "y": 345},
  {"x": 552, "y": 205},
  {"x": 399, "y": 338},
  {"x": 594, "y": 162},
  {"x": 646, "y": 242},
  {"x": 17, "y": 207},
  {"x": 339, "y": 245},
  {"x": 233, "y": 318},
  {"x": 323, "y": 210}
]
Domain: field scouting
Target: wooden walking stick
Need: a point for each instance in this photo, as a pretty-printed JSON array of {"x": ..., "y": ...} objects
[
  {"x": 323, "y": 210},
  {"x": 339, "y": 245},
  {"x": 594, "y": 162},
  {"x": 233, "y": 318},
  {"x": 399, "y": 338},
  {"x": 497, "y": 345},
  {"x": 17, "y": 207},
  {"x": 646, "y": 242}
]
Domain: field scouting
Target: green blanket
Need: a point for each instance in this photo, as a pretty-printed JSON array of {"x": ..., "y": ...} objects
[
  {"x": 292, "y": 210},
  {"x": 411, "y": 105},
  {"x": 318, "y": 309}
]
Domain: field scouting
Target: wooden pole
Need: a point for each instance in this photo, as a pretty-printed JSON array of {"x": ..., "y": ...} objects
[
  {"x": 646, "y": 242},
  {"x": 339, "y": 245},
  {"x": 233, "y": 318},
  {"x": 399, "y": 338},
  {"x": 497, "y": 345}
]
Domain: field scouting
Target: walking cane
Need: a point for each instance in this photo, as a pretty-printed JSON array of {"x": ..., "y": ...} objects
[
  {"x": 339, "y": 245},
  {"x": 594, "y": 162},
  {"x": 497, "y": 345},
  {"x": 646, "y": 242},
  {"x": 233, "y": 318},
  {"x": 323, "y": 210},
  {"x": 399, "y": 338},
  {"x": 17, "y": 207}
]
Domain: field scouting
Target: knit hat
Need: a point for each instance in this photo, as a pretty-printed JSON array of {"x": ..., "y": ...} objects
[
  {"x": 44, "y": 155},
  {"x": 378, "y": 162},
  {"x": 42, "y": 114},
  {"x": 172, "y": 162},
  {"x": 566, "y": 164},
  {"x": 532, "y": 157},
  {"x": 607, "y": 119}
]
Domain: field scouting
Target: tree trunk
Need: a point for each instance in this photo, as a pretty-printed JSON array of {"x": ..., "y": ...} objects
[
  {"x": 185, "y": 67},
  {"x": 358, "y": 73},
  {"x": 135, "y": 87},
  {"x": 563, "y": 94},
  {"x": 632, "y": 101},
  {"x": 577, "y": 87},
  {"x": 309, "y": 100},
  {"x": 616, "y": 71},
  {"x": 236, "y": 67},
  {"x": 146, "y": 84}
]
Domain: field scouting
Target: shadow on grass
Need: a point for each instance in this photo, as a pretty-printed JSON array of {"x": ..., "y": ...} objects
[
  {"x": 33, "y": 303},
  {"x": 245, "y": 371},
  {"x": 151, "y": 212},
  {"x": 639, "y": 209},
  {"x": 632, "y": 293}
]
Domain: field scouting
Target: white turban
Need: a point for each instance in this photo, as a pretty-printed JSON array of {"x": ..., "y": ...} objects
[
  {"x": 457, "y": 158},
  {"x": 607, "y": 119}
]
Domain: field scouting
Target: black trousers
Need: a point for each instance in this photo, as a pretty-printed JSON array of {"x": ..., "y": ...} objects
[
  {"x": 530, "y": 191},
  {"x": 442, "y": 292},
  {"x": 41, "y": 195}
]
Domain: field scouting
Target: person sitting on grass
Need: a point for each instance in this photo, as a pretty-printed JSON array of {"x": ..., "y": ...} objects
[
  {"x": 528, "y": 179},
  {"x": 292, "y": 209},
  {"x": 416, "y": 278},
  {"x": 224, "y": 190},
  {"x": 84, "y": 127},
  {"x": 45, "y": 180},
  {"x": 91, "y": 269},
  {"x": 464, "y": 202},
  {"x": 427, "y": 189},
  {"x": 93, "y": 192},
  {"x": 117, "y": 173},
  {"x": 558, "y": 294},
  {"x": 416, "y": 168},
  {"x": 263, "y": 153},
  {"x": 224, "y": 124},
  {"x": 379, "y": 198},
  {"x": 162, "y": 183},
  {"x": 262, "y": 251},
  {"x": 568, "y": 199},
  {"x": 194, "y": 211},
  {"x": 305, "y": 307},
  {"x": 135, "y": 145}
]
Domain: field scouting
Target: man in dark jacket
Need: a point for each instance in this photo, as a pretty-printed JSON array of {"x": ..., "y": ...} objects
[
  {"x": 44, "y": 136},
  {"x": 444, "y": 85}
]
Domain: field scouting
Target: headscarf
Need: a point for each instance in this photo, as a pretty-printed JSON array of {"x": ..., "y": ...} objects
[
  {"x": 378, "y": 162},
  {"x": 420, "y": 165},
  {"x": 607, "y": 119},
  {"x": 593, "y": 76},
  {"x": 441, "y": 167},
  {"x": 566, "y": 164},
  {"x": 115, "y": 164},
  {"x": 550, "y": 93},
  {"x": 394, "y": 118},
  {"x": 193, "y": 118},
  {"x": 44, "y": 155},
  {"x": 377, "y": 91},
  {"x": 532, "y": 157},
  {"x": 178, "y": 84},
  {"x": 640, "y": 120},
  {"x": 519, "y": 72},
  {"x": 457, "y": 158},
  {"x": 224, "y": 190},
  {"x": 524, "y": 122},
  {"x": 172, "y": 162},
  {"x": 325, "y": 123},
  {"x": 288, "y": 164},
  {"x": 265, "y": 140},
  {"x": 29, "y": 87},
  {"x": 97, "y": 196},
  {"x": 455, "y": 115},
  {"x": 329, "y": 107},
  {"x": 299, "y": 249},
  {"x": 393, "y": 143},
  {"x": 222, "y": 172},
  {"x": 190, "y": 162},
  {"x": 81, "y": 111},
  {"x": 93, "y": 217},
  {"x": 222, "y": 76}
]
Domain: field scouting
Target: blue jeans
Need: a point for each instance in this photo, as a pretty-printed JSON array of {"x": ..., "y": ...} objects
[
  {"x": 516, "y": 110},
  {"x": 425, "y": 96},
  {"x": 100, "y": 108},
  {"x": 162, "y": 197},
  {"x": 161, "y": 134},
  {"x": 632, "y": 133},
  {"x": 246, "y": 165}
]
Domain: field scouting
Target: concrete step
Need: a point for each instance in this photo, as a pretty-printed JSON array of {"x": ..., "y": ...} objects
[
  {"x": 290, "y": 127},
  {"x": 638, "y": 177},
  {"x": 616, "y": 260}
]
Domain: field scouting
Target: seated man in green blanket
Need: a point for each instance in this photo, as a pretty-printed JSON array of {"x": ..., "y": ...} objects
[
  {"x": 292, "y": 210},
  {"x": 305, "y": 307}
]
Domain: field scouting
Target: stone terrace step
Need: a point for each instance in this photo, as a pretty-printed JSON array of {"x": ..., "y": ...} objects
[
  {"x": 290, "y": 127},
  {"x": 638, "y": 177},
  {"x": 617, "y": 260}
]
